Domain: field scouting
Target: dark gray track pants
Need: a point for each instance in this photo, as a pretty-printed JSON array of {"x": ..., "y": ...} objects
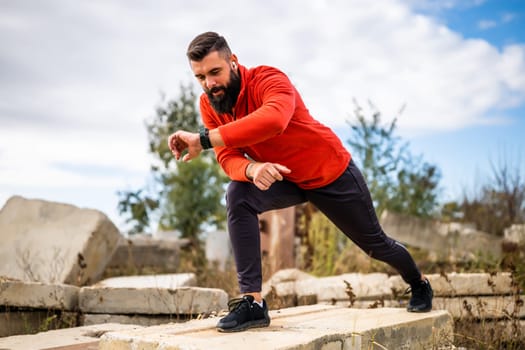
[{"x": 346, "y": 202}]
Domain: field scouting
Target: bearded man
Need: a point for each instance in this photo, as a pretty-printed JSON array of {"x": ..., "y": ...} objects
[{"x": 277, "y": 155}]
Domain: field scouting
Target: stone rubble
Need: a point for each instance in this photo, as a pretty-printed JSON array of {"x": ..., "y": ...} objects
[
  {"x": 53, "y": 242},
  {"x": 484, "y": 295},
  {"x": 152, "y": 301},
  {"x": 38, "y": 295}
]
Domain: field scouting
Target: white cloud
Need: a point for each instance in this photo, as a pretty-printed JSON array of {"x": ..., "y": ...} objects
[
  {"x": 487, "y": 24},
  {"x": 58, "y": 158},
  {"x": 78, "y": 79},
  {"x": 508, "y": 17}
]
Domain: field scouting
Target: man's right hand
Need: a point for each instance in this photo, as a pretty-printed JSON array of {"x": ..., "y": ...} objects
[
  {"x": 263, "y": 175},
  {"x": 182, "y": 140}
]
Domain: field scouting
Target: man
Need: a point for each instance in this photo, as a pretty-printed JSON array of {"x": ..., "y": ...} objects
[{"x": 277, "y": 156}]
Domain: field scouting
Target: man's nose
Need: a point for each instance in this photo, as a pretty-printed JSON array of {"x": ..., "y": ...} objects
[{"x": 210, "y": 82}]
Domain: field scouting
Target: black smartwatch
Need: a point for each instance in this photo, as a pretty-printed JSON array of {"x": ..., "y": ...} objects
[{"x": 204, "y": 134}]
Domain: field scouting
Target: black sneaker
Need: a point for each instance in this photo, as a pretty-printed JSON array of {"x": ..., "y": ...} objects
[
  {"x": 244, "y": 314},
  {"x": 421, "y": 300}
]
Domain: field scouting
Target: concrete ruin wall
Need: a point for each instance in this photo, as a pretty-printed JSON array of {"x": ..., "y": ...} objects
[{"x": 153, "y": 300}]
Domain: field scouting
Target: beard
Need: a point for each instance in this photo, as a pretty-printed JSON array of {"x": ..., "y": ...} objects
[{"x": 224, "y": 103}]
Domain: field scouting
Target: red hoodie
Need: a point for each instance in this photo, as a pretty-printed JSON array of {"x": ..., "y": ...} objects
[{"x": 270, "y": 123}]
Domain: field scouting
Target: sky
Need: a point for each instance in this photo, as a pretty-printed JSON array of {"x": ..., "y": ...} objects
[{"x": 78, "y": 80}]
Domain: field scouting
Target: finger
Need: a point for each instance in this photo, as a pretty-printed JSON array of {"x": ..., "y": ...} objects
[
  {"x": 186, "y": 157},
  {"x": 262, "y": 186},
  {"x": 270, "y": 176},
  {"x": 265, "y": 182},
  {"x": 276, "y": 175},
  {"x": 174, "y": 150},
  {"x": 282, "y": 169},
  {"x": 171, "y": 142},
  {"x": 177, "y": 152}
]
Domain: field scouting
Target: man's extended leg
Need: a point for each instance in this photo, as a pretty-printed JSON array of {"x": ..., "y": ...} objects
[
  {"x": 347, "y": 203},
  {"x": 244, "y": 202}
]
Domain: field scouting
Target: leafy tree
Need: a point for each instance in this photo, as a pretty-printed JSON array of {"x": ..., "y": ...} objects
[
  {"x": 397, "y": 180},
  {"x": 139, "y": 207},
  {"x": 182, "y": 196}
]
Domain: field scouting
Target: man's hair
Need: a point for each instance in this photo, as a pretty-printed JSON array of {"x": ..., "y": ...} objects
[{"x": 205, "y": 43}]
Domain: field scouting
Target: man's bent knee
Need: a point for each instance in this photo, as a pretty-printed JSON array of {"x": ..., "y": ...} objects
[{"x": 237, "y": 194}]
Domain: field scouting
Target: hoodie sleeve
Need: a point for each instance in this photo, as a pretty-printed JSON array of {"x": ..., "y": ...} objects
[{"x": 272, "y": 91}]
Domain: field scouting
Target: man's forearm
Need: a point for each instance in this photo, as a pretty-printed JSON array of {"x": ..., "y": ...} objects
[{"x": 216, "y": 138}]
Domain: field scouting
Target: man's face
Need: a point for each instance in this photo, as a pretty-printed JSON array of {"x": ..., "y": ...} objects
[{"x": 218, "y": 80}]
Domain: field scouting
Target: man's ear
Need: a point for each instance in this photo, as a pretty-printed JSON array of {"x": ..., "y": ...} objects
[{"x": 234, "y": 61}]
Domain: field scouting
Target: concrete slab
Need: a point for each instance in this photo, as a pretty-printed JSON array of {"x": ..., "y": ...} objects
[
  {"x": 285, "y": 275},
  {"x": 151, "y": 281},
  {"x": 286, "y": 291},
  {"x": 54, "y": 242},
  {"x": 142, "y": 254},
  {"x": 367, "y": 304},
  {"x": 483, "y": 307},
  {"x": 38, "y": 295},
  {"x": 140, "y": 320},
  {"x": 301, "y": 328},
  {"x": 363, "y": 286},
  {"x": 152, "y": 301},
  {"x": 464, "y": 284},
  {"x": 377, "y": 286},
  {"x": 73, "y": 338}
]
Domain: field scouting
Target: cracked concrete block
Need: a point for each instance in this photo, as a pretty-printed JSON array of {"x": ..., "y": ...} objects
[
  {"x": 364, "y": 286},
  {"x": 459, "y": 284},
  {"x": 140, "y": 320},
  {"x": 300, "y": 328},
  {"x": 54, "y": 242},
  {"x": 162, "y": 301},
  {"x": 38, "y": 295},
  {"x": 285, "y": 279}
]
